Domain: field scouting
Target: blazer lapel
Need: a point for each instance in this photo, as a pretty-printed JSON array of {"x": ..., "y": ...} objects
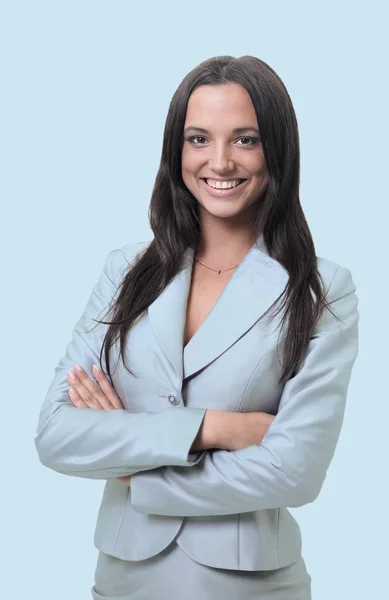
[
  {"x": 255, "y": 285},
  {"x": 167, "y": 314}
]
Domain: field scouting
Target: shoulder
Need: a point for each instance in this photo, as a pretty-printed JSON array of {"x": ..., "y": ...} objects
[
  {"x": 340, "y": 290},
  {"x": 131, "y": 251},
  {"x": 120, "y": 259},
  {"x": 337, "y": 279}
]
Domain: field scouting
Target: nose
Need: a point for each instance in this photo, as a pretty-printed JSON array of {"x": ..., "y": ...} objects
[{"x": 220, "y": 161}]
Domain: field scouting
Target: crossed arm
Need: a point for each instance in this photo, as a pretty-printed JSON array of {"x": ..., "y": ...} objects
[
  {"x": 219, "y": 429},
  {"x": 287, "y": 468},
  {"x": 107, "y": 444}
]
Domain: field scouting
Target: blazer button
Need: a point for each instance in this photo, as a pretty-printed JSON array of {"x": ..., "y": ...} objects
[{"x": 173, "y": 399}]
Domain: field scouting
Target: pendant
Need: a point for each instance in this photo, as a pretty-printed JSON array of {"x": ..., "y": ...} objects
[{"x": 218, "y": 272}]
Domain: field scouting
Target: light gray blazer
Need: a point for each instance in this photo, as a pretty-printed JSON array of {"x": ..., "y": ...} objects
[{"x": 229, "y": 508}]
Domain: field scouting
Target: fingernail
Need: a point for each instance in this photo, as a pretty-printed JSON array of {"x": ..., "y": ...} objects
[
  {"x": 96, "y": 368},
  {"x": 71, "y": 374},
  {"x": 77, "y": 368}
]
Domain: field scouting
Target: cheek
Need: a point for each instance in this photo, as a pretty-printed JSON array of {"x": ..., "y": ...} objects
[
  {"x": 188, "y": 161},
  {"x": 261, "y": 175},
  {"x": 257, "y": 164}
]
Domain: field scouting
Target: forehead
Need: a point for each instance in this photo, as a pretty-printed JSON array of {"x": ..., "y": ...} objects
[{"x": 227, "y": 103}]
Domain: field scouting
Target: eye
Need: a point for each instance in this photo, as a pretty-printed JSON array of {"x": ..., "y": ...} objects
[
  {"x": 192, "y": 139},
  {"x": 200, "y": 140},
  {"x": 251, "y": 141}
]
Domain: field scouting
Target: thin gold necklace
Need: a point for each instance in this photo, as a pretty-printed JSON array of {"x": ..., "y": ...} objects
[{"x": 218, "y": 271}]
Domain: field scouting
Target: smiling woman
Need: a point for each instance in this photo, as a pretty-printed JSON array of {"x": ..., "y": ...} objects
[
  {"x": 232, "y": 344},
  {"x": 227, "y": 160}
]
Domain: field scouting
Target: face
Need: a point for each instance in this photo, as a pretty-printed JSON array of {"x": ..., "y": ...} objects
[{"x": 222, "y": 147}]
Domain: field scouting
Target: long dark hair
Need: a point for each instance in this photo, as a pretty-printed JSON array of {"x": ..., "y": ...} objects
[{"x": 174, "y": 215}]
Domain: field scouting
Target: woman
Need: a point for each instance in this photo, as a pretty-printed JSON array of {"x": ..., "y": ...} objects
[{"x": 220, "y": 412}]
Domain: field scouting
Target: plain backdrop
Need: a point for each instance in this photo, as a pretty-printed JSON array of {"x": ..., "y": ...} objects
[{"x": 85, "y": 88}]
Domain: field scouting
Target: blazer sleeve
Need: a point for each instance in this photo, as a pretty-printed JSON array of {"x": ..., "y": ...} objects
[
  {"x": 99, "y": 444},
  {"x": 289, "y": 467}
]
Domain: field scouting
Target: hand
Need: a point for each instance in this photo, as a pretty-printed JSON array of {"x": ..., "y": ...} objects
[
  {"x": 235, "y": 431},
  {"x": 126, "y": 480},
  {"x": 253, "y": 430},
  {"x": 241, "y": 430},
  {"x": 85, "y": 393},
  {"x": 227, "y": 430}
]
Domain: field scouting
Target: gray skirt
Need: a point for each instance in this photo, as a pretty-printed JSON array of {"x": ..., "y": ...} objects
[{"x": 172, "y": 575}]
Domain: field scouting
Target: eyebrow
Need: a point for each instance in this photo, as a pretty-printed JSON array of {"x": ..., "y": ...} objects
[{"x": 235, "y": 131}]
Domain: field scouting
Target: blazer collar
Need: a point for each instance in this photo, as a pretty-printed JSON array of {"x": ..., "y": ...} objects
[{"x": 257, "y": 282}]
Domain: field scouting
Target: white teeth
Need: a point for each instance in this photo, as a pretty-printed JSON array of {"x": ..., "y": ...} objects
[{"x": 222, "y": 184}]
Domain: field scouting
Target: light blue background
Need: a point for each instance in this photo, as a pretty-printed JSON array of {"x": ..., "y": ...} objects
[{"x": 85, "y": 87}]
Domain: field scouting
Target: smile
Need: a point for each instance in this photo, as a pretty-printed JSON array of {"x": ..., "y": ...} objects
[
  {"x": 224, "y": 189},
  {"x": 223, "y": 184}
]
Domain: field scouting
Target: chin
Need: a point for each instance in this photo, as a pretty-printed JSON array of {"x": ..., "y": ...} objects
[{"x": 221, "y": 212}]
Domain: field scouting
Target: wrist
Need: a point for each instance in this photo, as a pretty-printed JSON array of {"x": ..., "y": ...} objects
[
  {"x": 212, "y": 431},
  {"x": 221, "y": 427}
]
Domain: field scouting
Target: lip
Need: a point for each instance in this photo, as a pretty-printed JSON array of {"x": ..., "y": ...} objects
[
  {"x": 223, "y": 178},
  {"x": 224, "y": 193}
]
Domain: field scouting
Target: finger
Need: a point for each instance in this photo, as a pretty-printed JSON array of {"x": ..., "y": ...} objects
[
  {"x": 107, "y": 388},
  {"x": 88, "y": 390},
  {"x": 126, "y": 480},
  {"x": 76, "y": 399}
]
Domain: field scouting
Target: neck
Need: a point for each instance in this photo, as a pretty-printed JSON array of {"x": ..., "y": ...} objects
[{"x": 223, "y": 244}]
